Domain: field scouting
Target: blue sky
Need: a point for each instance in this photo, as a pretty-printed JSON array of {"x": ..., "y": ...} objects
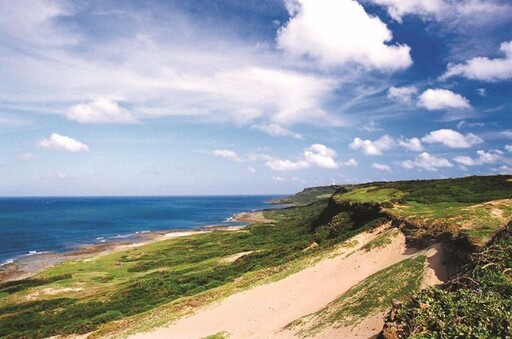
[{"x": 250, "y": 97}]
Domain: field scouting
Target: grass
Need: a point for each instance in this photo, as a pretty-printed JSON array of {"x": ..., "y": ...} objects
[
  {"x": 220, "y": 335},
  {"x": 463, "y": 205},
  {"x": 370, "y": 296},
  {"x": 310, "y": 195},
  {"x": 381, "y": 240}
]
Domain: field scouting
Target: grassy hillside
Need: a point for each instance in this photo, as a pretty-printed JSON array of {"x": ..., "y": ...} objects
[
  {"x": 309, "y": 195},
  {"x": 165, "y": 279},
  {"x": 80, "y": 296},
  {"x": 474, "y": 206}
]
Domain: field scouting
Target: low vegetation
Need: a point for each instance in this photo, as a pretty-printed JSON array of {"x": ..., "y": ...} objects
[
  {"x": 123, "y": 284},
  {"x": 477, "y": 303},
  {"x": 310, "y": 195},
  {"x": 475, "y": 206},
  {"x": 159, "y": 281}
]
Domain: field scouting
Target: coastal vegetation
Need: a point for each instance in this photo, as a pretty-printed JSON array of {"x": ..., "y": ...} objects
[
  {"x": 126, "y": 283},
  {"x": 159, "y": 281},
  {"x": 475, "y": 303}
]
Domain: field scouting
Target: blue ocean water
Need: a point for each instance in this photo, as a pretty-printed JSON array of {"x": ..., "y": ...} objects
[{"x": 34, "y": 225}]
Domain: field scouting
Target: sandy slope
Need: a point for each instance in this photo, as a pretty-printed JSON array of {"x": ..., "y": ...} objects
[{"x": 262, "y": 312}]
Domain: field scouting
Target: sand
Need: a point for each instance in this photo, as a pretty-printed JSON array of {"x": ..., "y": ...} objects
[{"x": 264, "y": 311}]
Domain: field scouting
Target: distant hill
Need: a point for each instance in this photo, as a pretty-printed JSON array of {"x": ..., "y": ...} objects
[{"x": 308, "y": 195}]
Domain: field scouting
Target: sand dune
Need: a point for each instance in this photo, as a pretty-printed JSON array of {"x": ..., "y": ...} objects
[{"x": 263, "y": 311}]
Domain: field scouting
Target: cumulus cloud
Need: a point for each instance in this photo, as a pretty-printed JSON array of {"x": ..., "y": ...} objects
[
  {"x": 508, "y": 148},
  {"x": 335, "y": 33},
  {"x": 402, "y": 94},
  {"x": 436, "y": 99},
  {"x": 413, "y": 144},
  {"x": 483, "y": 158},
  {"x": 277, "y": 131},
  {"x": 63, "y": 143},
  {"x": 317, "y": 155},
  {"x": 452, "y": 139},
  {"x": 483, "y": 68},
  {"x": 427, "y": 162},
  {"x": 370, "y": 147},
  {"x": 321, "y": 156},
  {"x": 381, "y": 167},
  {"x": 227, "y": 154},
  {"x": 276, "y": 178},
  {"x": 99, "y": 111}
]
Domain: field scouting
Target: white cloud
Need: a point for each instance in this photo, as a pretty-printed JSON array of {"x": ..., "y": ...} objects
[
  {"x": 381, "y": 167},
  {"x": 436, "y": 99},
  {"x": 402, "y": 94},
  {"x": 224, "y": 153},
  {"x": 470, "y": 11},
  {"x": 413, "y": 144},
  {"x": 27, "y": 156},
  {"x": 372, "y": 126},
  {"x": 508, "y": 148},
  {"x": 287, "y": 165},
  {"x": 427, "y": 162},
  {"x": 316, "y": 155},
  {"x": 481, "y": 92},
  {"x": 62, "y": 176},
  {"x": 452, "y": 139},
  {"x": 335, "y": 33},
  {"x": 507, "y": 133},
  {"x": 350, "y": 163},
  {"x": 321, "y": 156},
  {"x": 490, "y": 157},
  {"x": 63, "y": 143},
  {"x": 505, "y": 169},
  {"x": 275, "y": 178},
  {"x": 399, "y": 8},
  {"x": 207, "y": 75},
  {"x": 277, "y": 131},
  {"x": 482, "y": 68},
  {"x": 372, "y": 147},
  {"x": 99, "y": 111}
]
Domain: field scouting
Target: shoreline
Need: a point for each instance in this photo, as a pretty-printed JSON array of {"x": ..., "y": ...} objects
[{"x": 31, "y": 264}]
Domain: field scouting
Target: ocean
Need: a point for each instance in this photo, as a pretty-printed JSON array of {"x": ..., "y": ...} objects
[{"x": 31, "y": 226}]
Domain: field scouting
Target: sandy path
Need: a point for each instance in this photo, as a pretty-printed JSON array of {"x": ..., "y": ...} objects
[{"x": 262, "y": 312}]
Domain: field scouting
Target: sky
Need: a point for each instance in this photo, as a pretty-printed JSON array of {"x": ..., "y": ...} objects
[{"x": 250, "y": 97}]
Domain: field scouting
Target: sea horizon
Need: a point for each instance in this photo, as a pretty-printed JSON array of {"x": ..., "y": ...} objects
[{"x": 47, "y": 224}]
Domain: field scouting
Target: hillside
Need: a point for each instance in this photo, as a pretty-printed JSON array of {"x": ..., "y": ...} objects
[{"x": 140, "y": 288}]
